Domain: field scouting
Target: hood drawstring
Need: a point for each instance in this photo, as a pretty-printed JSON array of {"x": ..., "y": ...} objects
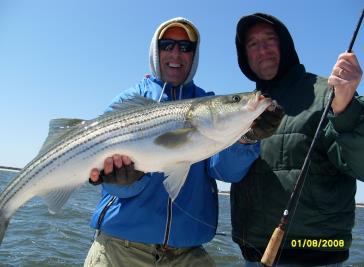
[
  {"x": 164, "y": 87},
  {"x": 180, "y": 91}
]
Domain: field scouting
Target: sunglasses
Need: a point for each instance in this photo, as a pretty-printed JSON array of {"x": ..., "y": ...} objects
[{"x": 184, "y": 45}]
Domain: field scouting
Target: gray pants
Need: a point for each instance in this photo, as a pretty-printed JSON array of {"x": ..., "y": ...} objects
[{"x": 114, "y": 252}]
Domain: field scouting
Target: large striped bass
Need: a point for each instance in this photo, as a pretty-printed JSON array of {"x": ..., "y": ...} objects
[{"x": 158, "y": 137}]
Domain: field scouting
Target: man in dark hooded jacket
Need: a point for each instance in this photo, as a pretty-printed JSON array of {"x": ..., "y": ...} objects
[{"x": 320, "y": 229}]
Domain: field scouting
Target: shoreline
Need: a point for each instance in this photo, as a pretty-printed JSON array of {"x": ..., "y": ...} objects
[{"x": 227, "y": 193}]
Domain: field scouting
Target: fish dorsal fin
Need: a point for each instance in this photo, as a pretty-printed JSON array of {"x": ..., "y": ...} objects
[
  {"x": 57, "y": 129},
  {"x": 57, "y": 198},
  {"x": 131, "y": 102}
]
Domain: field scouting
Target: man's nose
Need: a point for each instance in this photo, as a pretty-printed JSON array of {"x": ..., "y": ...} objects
[
  {"x": 262, "y": 46},
  {"x": 176, "y": 50}
]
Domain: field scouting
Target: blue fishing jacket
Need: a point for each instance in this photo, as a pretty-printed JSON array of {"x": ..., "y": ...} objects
[{"x": 143, "y": 211}]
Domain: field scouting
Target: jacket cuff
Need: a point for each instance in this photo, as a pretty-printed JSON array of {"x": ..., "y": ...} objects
[
  {"x": 127, "y": 191},
  {"x": 346, "y": 121},
  {"x": 99, "y": 181},
  {"x": 233, "y": 163}
]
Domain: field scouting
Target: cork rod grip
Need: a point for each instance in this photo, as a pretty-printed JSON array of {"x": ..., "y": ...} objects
[{"x": 272, "y": 247}]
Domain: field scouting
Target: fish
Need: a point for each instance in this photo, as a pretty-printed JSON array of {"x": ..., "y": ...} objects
[{"x": 162, "y": 137}]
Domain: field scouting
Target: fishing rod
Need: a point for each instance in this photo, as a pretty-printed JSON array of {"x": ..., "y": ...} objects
[{"x": 277, "y": 236}]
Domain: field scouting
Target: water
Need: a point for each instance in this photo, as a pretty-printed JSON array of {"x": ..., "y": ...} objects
[{"x": 37, "y": 238}]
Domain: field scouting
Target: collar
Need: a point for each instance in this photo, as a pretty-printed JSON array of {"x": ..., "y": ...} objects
[
  {"x": 173, "y": 92},
  {"x": 276, "y": 87}
]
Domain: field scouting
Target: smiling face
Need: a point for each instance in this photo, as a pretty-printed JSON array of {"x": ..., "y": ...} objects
[
  {"x": 263, "y": 51},
  {"x": 174, "y": 64}
]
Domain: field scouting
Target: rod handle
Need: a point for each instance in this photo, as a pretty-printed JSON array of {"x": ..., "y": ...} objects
[{"x": 272, "y": 247}]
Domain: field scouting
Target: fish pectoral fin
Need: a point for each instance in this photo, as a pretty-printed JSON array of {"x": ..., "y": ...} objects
[
  {"x": 57, "y": 198},
  {"x": 58, "y": 128},
  {"x": 176, "y": 177},
  {"x": 174, "y": 139}
]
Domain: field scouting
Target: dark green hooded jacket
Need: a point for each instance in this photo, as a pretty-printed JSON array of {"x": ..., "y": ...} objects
[{"x": 326, "y": 207}]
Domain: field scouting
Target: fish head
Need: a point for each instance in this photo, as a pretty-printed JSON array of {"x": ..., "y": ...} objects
[{"x": 226, "y": 118}]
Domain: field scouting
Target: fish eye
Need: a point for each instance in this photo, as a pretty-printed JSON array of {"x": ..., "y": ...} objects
[{"x": 236, "y": 98}]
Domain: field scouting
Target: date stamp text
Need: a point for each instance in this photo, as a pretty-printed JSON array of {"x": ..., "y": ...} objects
[{"x": 317, "y": 243}]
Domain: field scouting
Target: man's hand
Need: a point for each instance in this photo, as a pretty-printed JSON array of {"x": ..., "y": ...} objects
[
  {"x": 345, "y": 78},
  {"x": 118, "y": 169},
  {"x": 265, "y": 125}
]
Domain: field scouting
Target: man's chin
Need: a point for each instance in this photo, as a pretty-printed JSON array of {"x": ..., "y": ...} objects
[
  {"x": 268, "y": 75},
  {"x": 175, "y": 81}
]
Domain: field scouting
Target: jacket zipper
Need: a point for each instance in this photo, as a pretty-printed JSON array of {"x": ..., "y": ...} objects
[
  {"x": 102, "y": 215},
  {"x": 168, "y": 224},
  {"x": 169, "y": 204}
]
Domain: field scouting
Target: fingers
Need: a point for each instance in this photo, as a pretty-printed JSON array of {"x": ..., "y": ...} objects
[
  {"x": 108, "y": 165},
  {"x": 266, "y": 124},
  {"x": 116, "y": 160},
  {"x": 123, "y": 172},
  {"x": 345, "y": 78},
  {"x": 346, "y": 69},
  {"x": 94, "y": 175},
  {"x": 121, "y": 160},
  {"x": 350, "y": 57},
  {"x": 126, "y": 160}
]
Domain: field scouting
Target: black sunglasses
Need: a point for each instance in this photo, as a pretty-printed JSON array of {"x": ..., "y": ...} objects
[{"x": 185, "y": 46}]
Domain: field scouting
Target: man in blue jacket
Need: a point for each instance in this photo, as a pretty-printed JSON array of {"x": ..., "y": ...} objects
[{"x": 136, "y": 222}]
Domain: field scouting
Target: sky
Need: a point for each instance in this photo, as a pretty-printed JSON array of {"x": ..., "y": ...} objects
[{"x": 69, "y": 58}]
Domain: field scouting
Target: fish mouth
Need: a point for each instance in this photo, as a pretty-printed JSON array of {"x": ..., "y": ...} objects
[{"x": 257, "y": 99}]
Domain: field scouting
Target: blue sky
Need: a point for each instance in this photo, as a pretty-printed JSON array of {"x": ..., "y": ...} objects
[{"x": 69, "y": 58}]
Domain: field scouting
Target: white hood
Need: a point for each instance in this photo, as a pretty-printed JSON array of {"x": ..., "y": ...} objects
[{"x": 154, "y": 52}]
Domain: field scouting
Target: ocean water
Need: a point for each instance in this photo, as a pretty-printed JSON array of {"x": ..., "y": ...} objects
[{"x": 37, "y": 238}]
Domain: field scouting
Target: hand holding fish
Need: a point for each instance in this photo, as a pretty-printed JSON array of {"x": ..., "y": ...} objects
[
  {"x": 345, "y": 78},
  {"x": 118, "y": 169},
  {"x": 265, "y": 125}
]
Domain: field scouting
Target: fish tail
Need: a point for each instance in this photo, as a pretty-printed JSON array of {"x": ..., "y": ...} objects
[{"x": 4, "y": 222}]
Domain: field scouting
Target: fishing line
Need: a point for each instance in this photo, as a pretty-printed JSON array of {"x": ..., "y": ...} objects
[
  {"x": 248, "y": 244},
  {"x": 193, "y": 217},
  {"x": 292, "y": 215},
  {"x": 214, "y": 227}
]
